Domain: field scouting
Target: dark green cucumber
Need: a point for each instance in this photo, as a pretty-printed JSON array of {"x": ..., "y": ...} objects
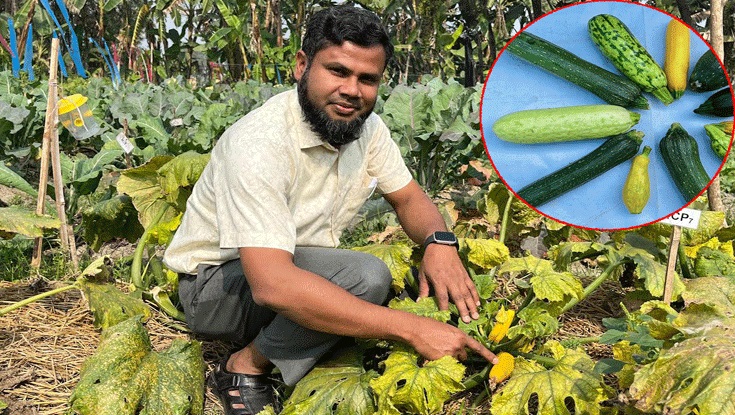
[
  {"x": 618, "y": 44},
  {"x": 707, "y": 74},
  {"x": 680, "y": 153},
  {"x": 612, "y": 152},
  {"x": 612, "y": 88},
  {"x": 718, "y": 104}
]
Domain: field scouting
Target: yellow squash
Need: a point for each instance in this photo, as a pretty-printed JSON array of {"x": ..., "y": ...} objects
[
  {"x": 503, "y": 320},
  {"x": 637, "y": 188},
  {"x": 502, "y": 370},
  {"x": 676, "y": 63}
]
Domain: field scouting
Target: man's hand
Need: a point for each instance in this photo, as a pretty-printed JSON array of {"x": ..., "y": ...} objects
[
  {"x": 434, "y": 339},
  {"x": 442, "y": 268}
]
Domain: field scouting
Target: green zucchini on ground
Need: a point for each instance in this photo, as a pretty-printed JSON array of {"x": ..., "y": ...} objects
[
  {"x": 618, "y": 44},
  {"x": 680, "y": 153},
  {"x": 612, "y": 152},
  {"x": 718, "y": 104},
  {"x": 707, "y": 74},
  {"x": 551, "y": 125},
  {"x": 612, "y": 88}
]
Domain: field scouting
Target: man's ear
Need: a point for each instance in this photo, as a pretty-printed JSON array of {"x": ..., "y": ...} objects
[{"x": 301, "y": 63}]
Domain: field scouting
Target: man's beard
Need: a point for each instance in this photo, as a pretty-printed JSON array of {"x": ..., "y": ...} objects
[{"x": 334, "y": 132}]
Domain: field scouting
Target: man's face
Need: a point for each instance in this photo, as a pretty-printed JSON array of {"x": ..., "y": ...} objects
[{"x": 338, "y": 89}]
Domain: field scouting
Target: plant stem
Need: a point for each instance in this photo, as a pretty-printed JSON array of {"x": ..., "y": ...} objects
[
  {"x": 506, "y": 215},
  {"x": 37, "y": 297},
  {"x": 593, "y": 285},
  {"x": 482, "y": 396},
  {"x": 136, "y": 271},
  {"x": 477, "y": 378},
  {"x": 547, "y": 362},
  {"x": 578, "y": 341}
]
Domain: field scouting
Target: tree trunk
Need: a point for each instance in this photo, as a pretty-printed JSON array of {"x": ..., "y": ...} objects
[
  {"x": 537, "y": 8},
  {"x": 716, "y": 27},
  {"x": 256, "y": 41},
  {"x": 685, "y": 12},
  {"x": 24, "y": 32}
]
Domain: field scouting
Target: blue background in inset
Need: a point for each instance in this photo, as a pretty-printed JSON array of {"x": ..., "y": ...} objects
[{"x": 515, "y": 85}]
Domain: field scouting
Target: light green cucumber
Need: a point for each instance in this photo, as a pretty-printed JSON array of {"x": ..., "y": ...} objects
[
  {"x": 552, "y": 125},
  {"x": 618, "y": 44}
]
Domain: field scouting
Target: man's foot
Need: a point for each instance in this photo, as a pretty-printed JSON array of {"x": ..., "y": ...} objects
[{"x": 242, "y": 394}]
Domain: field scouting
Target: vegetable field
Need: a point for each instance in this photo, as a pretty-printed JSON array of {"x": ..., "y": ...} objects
[
  {"x": 577, "y": 309},
  {"x": 580, "y": 318}
]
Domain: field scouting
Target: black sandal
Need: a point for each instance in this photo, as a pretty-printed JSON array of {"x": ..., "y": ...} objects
[{"x": 254, "y": 391}]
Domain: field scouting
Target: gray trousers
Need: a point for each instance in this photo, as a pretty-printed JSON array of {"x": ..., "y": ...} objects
[{"x": 218, "y": 303}]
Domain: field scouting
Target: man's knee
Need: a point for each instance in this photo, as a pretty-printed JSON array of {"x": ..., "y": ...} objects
[{"x": 374, "y": 279}]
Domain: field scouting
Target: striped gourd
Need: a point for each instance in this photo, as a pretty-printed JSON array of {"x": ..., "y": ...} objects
[{"x": 618, "y": 44}]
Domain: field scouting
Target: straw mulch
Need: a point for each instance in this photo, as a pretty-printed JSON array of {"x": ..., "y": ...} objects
[{"x": 43, "y": 346}]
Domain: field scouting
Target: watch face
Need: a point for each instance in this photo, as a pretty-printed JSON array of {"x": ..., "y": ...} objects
[{"x": 445, "y": 237}]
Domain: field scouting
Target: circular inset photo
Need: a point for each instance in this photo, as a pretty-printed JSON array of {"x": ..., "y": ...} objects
[{"x": 607, "y": 115}]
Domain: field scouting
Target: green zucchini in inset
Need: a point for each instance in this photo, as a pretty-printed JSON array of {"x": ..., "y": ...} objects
[
  {"x": 718, "y": 104},
  {"x": 612, "y": 152},
  {"x": 707, "y": 74},
  {"x": 612, "y": 88},
  {"x": 550, "y": 125},
  {"x": 680, "y": 153},
  {"x": 618, "y": 44},
  {"x": 720, "y": 135}
]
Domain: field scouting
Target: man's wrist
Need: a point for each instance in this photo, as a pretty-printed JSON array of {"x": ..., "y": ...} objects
[{"x": 441, "y": 238}]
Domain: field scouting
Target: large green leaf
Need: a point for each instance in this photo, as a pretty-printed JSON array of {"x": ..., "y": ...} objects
[
  {"x": 717, "y": 292},
  {"x": 152, "y": 129},
  {"x": 125, "y": 377},
  {"x": 110, "y": 306},
  {"x": 12, "y": 179},
  {"x": 696, "y": 374},
  {"x": 143, "y": 185},
  {"x": 84, "y": 173},
  {"x": 712, "y": 262},
  {"x": 539, "y": 320},
  {"x": 396, "y": 257},
  {"x": 340, "y": 386},
  {"x": 565, "y": 253},
  {"x": 13, "y": 115},
  {"x": 572, "y": 378},
  {"x": 426, "y": 307},
  {"x": 179, "y": 175},
  {"x": 547, "y": 283},
  {"x": 485, "y": 253},
  {"x": 648, "y": 269},
  {"x": 408, "y": 387},
  {"x": 109, "y": 219},
  {"x": 18, "y": 220}
]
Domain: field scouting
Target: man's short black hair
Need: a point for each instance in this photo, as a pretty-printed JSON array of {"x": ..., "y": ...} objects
[{"x": 335, "y": 25}]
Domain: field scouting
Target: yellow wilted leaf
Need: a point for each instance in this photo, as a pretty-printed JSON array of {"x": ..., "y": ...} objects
[
  {"x": 502, "y": 323},
  {"x": 502, "y": 370}
]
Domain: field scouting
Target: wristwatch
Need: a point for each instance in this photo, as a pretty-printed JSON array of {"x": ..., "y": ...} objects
[{"x": 442, "y": 238}]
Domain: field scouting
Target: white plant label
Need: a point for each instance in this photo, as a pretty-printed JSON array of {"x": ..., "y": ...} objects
[
  {"x": 126, "y": 145},
  {"x": 686, "y": 218}
]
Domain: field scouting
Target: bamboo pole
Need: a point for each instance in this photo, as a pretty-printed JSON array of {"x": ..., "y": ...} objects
[
  {"x": 66, "y": 232},
  {"x": 49, "y": 126},
  {"x": 671, "y": 266}
]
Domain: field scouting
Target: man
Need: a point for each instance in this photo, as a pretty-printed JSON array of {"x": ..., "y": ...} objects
[{"x": 256, "y": 249}]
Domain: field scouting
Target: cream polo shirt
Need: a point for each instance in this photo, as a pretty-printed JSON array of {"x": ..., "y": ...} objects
[{"x": 271, "y": 182}]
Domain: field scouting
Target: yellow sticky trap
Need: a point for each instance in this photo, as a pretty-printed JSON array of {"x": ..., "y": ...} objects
[{"x": 76, "y": 117}]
